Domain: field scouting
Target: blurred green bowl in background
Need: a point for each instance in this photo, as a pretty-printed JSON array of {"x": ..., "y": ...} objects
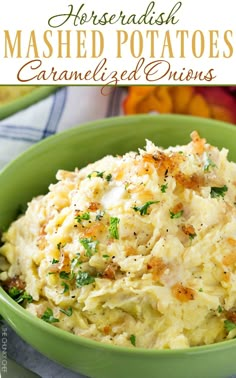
[{"x": 16, "y": 98}]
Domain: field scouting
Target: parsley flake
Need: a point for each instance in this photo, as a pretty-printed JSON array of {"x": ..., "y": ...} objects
[
  {"x": 19, "y": 296},
  {"x": 105, "y": 256},
  {"x": 75, "y": 262},
  {"x": 192, "y": 236},
  {"x": 164, "y": 187},
  {"x": 133, "y": 340},
  {"x": 48, "y": 316},
  {"x": 96, "y": 174},
  {"x": 220, "y": 309},
  {"x": 84, "y": 278},
  {"x": 55, "y": 261},
  {"x": 229, "y": 326},
  {"x": 99, "y": 215},
  {"x": 108, "y": 177},
  {"x": 84, "y": 216},
  {"x": 67, "y": 312},
  {"x": 89, "y": 245},
  {"x": 218, "y": 191},
  {"x": 113, "y": 228},
  {"x": 66, "y": 287},
  {"x": 144, "y": 208},
  {"x": 14, "y": 292},
  {"x": 64, "y": 275},
  {"x": 176, "y": 215},
  {"x": 209, "y": 164}
]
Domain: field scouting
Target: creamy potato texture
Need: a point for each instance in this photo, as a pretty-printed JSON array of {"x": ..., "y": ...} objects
[{"x": 136, "y": 250}]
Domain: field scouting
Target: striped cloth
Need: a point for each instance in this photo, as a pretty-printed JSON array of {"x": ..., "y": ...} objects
[{"x": 67, "y": 107}]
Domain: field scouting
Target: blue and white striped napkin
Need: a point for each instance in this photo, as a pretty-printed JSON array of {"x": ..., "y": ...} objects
[{"x": 65, "y": 108}]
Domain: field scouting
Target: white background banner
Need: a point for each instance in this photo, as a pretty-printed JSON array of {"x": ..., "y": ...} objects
[{"x": 92, "y": 42}]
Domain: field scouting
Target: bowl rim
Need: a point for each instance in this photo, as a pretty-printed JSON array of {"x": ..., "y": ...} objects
[
  {"x": 23, "y": 314},
  {"x": 26, "y": 100},
  {"x": 115, "y": 120}
]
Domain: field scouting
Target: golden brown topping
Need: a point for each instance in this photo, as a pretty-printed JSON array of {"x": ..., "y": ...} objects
[
  {"x": 183, "y": 294},
  {"x": 93, "y": 206},
  {"x": 177, "y": 208},
  {"x": 198, "y": 143},
  {"x": 64, "y": 262},
  {"x": 107, "y": 330},
  {"x": 189, "y": 230},
  {"x": 231, "y": 241},
  {"x": 157, "y": 265},
  {"x": 229, "y": 259},
  {"x": 14, "y": 282},
  {"x": 165, "y": 164},
  {"x": 131, "y": 251},
  {"x": 231, "y": 315},
  {"x": 190, "y": 182},
  {"x": 226, "y": 276},
  {"x": 93, "y": 230},
  {"x": 110, "y": 271}
]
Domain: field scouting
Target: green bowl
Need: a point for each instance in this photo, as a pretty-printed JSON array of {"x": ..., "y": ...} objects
[
  {"x": 31, "y": 174},
  {"x": 26, "y": 100}
]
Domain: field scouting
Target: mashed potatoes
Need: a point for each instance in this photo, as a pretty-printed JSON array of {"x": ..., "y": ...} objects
[{"x": 136, "y": 250}]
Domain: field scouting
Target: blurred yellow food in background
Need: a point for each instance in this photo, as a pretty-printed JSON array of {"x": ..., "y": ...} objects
[
  {"x": 9, "y": 93},
  {"x": 209, "y": 102}
]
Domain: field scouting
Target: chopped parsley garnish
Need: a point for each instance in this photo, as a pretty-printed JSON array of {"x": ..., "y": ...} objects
[
  {"x": 192, "y": 236},
  {"x": 75, "y": 262},
  {"x": 100, "y": 174},
  {"x": 84, "y": 278},
  {"x": 209, "y": 164},
  {"x": 66, "y": 287},
  {"x": 84, "y": 216},
  {"x": 144, "y": 208},
  {"x": 55, "y": 261},
  {"x": 218, "y": 191},
  {"x": 164, "y": 187},
  {"x": 220, "y": 309},
  {"x": 64, "y": 275},
  {"x": 133, "y": 340},
  {"x": 229, "y": 326},
  {"x": 96, "y": 174},
  {"x": 89, "y": 245},
  {"x": 48, "y": 316},
  {"x": 14, "y": 292},
  {"x": 176, "y": 215},
  {"x": 113, "y": 228},
  {"x": 105, "y": 256},
  {"x": 67, "y": 312},
  {"x": 19, "y": 296},
  {"x": 27, "y": 297},
  {"x": 99, "y": 215},
  {"x": 201, "y": 290},
  {"x": 60, "y": 245},
  {"x": 108, "y": 177}
]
